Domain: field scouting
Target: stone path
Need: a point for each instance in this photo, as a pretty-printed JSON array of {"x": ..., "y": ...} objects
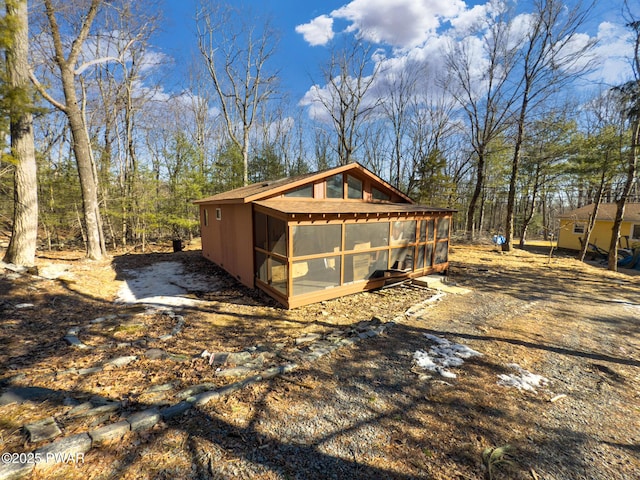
[{"x": 248, "y": 365}]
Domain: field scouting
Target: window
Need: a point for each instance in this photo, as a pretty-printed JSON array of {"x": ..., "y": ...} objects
[
  {"x": 578, "y": 228},
  {"x": 316, "y": 274},
  {"x": 302, "y": 192},
  {"x": 442, "y": 252},
  {"x": 277, "y": 235},
  {"x": 443, "y": 228},
  {"x": 354, "y": 188},
  {"x": 218, "y": 214},
  {"x": 316, "y": 239},
  {"x": 403, "y": 233},
  {"x": 335, "y": 188},
  {"x": 366, "y": 235},
  {"x": 205, "y": 218},
  {"x": 260, "y": 231},
  {"x": 428, "y": 254},
  {"x": 379, "y": 195},
  {"x": 635, "y": 231},
  {"x": 430, "y": 230}
]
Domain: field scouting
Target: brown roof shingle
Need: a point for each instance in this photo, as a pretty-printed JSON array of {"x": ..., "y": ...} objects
[
  {"x": 606, "y": 212},
  {"x": 331, "y": 207}
]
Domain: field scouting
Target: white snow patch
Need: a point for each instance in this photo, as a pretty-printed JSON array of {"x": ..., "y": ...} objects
[
  {"x": 419, "y": 309},
  {"x": 163, "y": 284},
  {"x": 522, "y": 379},
  {"x": 443, "y": 355}
]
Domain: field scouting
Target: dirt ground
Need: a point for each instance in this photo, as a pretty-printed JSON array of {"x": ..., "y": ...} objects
[{"x": 364, "y": 411}]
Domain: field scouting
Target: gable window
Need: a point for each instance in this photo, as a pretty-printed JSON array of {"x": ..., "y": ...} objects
[
  {"x": 354, "y": 188},
  {"x": 578, "y": 228},
  {"x": 635, "y": 231},
  {"x": 379, "y": 195},
  {"x": 302, "y": 192},
  {"x": 335, "y": 188}
]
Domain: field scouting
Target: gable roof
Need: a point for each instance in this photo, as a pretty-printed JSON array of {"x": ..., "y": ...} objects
[
  {"x": 606, "y": 212},
  {"x": 309, "y": 206},
  {"x": 262, "y": 190}
]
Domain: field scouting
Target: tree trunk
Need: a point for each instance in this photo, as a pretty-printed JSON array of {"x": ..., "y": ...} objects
[
  {"x": 82, "y": 152},
  {"x": 22, "y": 246},
  {"x": 592, "y": 219},
  {"x": 621, "y": 203},
  {"x": 471, "y": 212}
]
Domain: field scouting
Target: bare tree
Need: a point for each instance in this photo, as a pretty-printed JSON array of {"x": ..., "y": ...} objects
[
  {"x": 236, "y": 55},
  {"x": 22, "y": 246},
  {"x": 551, "y": 58},
  {"x": 349, "y": 77},
  {"x": 399, "y": 90},
  {"x": 630, "y": 94},
  {"x": 66, "y": 60},
  {"x": 486, "y": 98}
]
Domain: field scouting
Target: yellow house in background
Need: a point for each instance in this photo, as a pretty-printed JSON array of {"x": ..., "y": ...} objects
[{"x": 573, "y": 226}]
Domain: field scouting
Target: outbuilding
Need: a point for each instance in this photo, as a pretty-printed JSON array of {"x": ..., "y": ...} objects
[{"x": 323, "y": 235}]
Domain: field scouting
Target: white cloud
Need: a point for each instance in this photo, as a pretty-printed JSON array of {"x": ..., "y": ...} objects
[
  {"x": 318, "y": 31},
  {"x": 614, "y": 49},
  {"x": 400, "y": 23}
]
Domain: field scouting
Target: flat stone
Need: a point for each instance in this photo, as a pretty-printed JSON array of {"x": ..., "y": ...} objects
[
  {"x": 289, "y": 367},
  {"x": 100, "y": 410},
  {"x": 239, "y": 358},
  {"x": 233, "y": 372},
  {"x": 155, "y": 354},
  {"x": 195, "y": 390},
  {"x": 122, "y": 361},
  {"x": 65, "y": 447},
  {"x": 309, "y": 337},
  {"x": 271, "y": 372},
  {"x": 74, "y": 341},
  {"x": 206, "y": 397},
  {"x": 175, "y": 410},
  {"x": 166, "y": 337},
  {"x": 90, "y": 370},
  {"x": 143, "y": 420},
  {"x": 79, "y": 409},
  {"x": 15, "y": 471},
  {"x": 218, "y": 358},
  {"x": 46, "y": 429},
  {"x": 110, "y": 433},
  {"x": 165, "y": 387}
]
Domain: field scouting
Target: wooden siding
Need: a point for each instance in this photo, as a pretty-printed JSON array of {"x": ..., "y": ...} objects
[{"x": 228, "y": 242}]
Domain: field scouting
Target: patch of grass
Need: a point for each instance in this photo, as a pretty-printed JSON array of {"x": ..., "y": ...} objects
[{"x": 493, "y": 457}]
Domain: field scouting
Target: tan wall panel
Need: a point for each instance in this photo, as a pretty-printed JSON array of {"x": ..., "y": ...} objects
[{"x": 228, "y": 242}]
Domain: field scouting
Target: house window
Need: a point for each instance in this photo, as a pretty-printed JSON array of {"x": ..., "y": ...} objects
[
  {"x": 635, "y": 231},
  {"x": 302, "y": 192},
  {"x": 354, "y": 188},
  {"x": 335, "y": 189},
  {"x": 578, "y": 228},
  {"x": 379, "y": 195},
  {"x": 205, "y": 218},
  {"x": 218, "y": 214}
]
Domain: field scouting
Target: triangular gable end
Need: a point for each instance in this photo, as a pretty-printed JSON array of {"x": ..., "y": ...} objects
[{"x": 274, "y": 188}]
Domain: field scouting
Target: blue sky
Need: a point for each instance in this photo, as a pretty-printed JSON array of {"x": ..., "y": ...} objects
[{"x": 400, "y": 26}]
